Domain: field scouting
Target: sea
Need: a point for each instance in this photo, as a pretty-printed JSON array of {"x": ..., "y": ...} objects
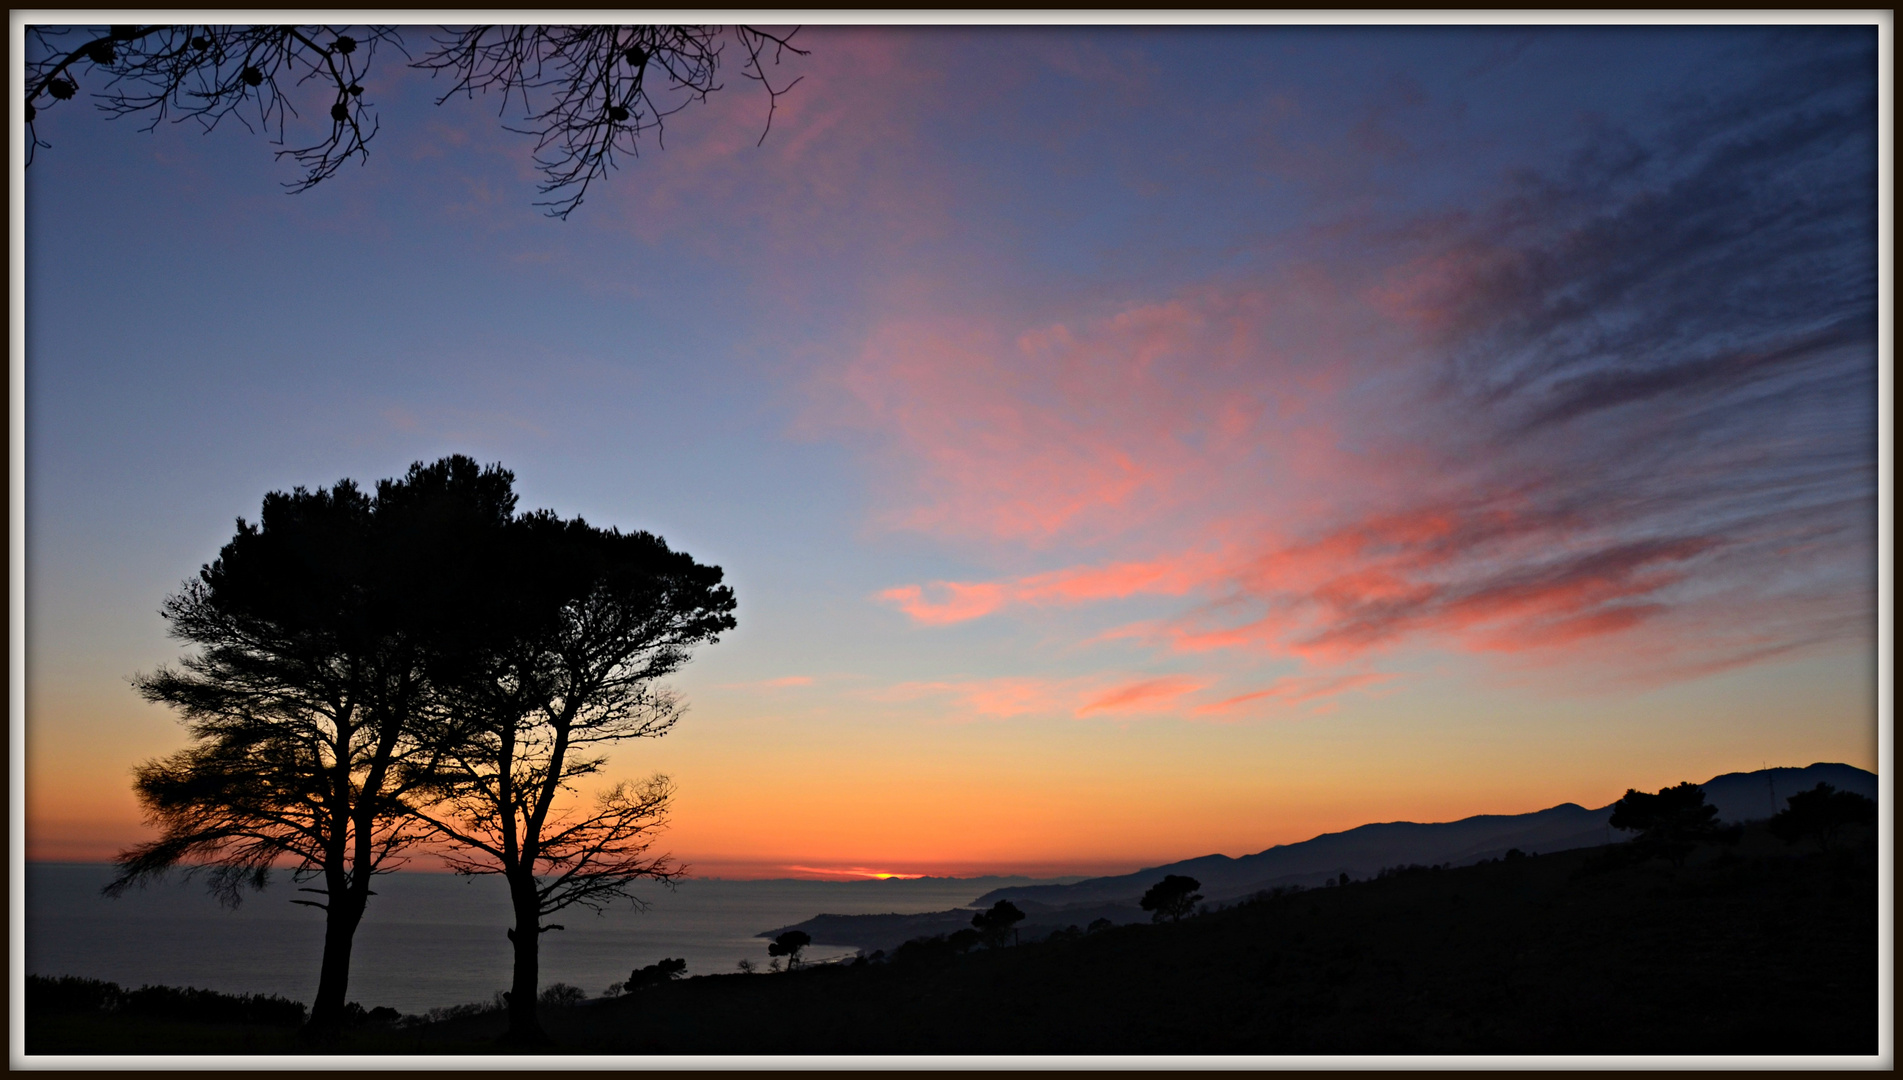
[{"x": 430, "y": 940}]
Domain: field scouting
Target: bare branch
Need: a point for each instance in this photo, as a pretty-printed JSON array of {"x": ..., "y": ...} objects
[
  {"x": 589, "y": 93},
  {"x": 211, "y": 73},
  {"x": 585, "y": 93}
]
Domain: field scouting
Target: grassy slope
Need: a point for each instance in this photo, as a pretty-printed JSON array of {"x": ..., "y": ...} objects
[{"x": 1756, "y": 952}]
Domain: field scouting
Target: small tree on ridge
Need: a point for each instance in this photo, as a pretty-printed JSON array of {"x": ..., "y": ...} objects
[
  {"x": 1172, "y": 898},
  {"x": 1821, "y": 814},
  {"x": 789, "y": 945},
  {"x": 994, "y": 924},
  {"x": 1669, "y": 823}
]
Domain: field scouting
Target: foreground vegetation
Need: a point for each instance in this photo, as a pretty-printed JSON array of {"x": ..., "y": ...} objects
[{"x": 1754, "y": 947}]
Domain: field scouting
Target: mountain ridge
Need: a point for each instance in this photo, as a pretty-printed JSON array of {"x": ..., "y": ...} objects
[{"x": 1365, "y": 849}]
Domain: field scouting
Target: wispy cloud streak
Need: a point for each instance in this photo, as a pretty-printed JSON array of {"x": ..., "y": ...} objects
[{"x": 1621, "y": 414}]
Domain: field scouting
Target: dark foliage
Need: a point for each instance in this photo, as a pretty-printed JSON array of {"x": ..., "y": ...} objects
[
  {"x": 1670, "y": 824},
  {"x": 789, "y": 945},
  {"x": 995, "y": 923},
  {"x": 561, "y": 995},
  {"x": 70, "y": 994},
  {"x": 424, "y": 663},
  {"x": 189, "y": 1003},
  {"x": 381, "y": 1016},
  {"x": 1514, "y": 957},
  {"x": 1753, "y": 950},
  {"x": 1822, "y": 814},
  {"x": 586, "y": 93},
  {"x": 306, "y": 695},
  {"x": 551, "y": 650},
  {"x": 934, "y": 950},
  {"x": 655, "y": 974},
  {"x": 1172, "y": 898}
]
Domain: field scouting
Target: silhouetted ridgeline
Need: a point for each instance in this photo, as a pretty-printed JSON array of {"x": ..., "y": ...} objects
[
  {"x": 68, "y": 994},
  {"x": 1362, "y": 852},
  {"x": 1752, "y": 947},
  {"x": 874, "y": 932},
  {"x": 1755, "y": 939}
]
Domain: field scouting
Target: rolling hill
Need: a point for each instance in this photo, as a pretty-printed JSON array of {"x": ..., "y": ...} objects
[{"x": 1361, "y": 852}]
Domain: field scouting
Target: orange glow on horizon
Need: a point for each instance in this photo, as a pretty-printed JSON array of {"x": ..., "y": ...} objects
[{"x": 855, "y": 872}]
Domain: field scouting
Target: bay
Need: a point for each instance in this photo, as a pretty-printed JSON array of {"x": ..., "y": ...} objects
[{"x": 429, "y": 939}]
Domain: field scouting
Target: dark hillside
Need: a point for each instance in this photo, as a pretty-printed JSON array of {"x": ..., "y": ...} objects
[
  {"x": 1358, "y": 852},
  {"x": 869, "y": 933},
  {"x": 1362, "y": 850},
  {"x": 1756, "y": 795},
  {"x": 1756, "y": 948},
  {"x": 1744, "y": 950}
]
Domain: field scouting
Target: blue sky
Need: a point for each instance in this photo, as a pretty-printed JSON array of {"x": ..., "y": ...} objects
[{"x": 1335, "y": 424}]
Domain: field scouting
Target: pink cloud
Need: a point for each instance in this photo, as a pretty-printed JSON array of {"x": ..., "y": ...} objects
[
  {"x": 1078, "y": 697},
  {"x": 1171, "y": 576},
  {"x": 943, "y": 602},
  {"x": 953, "y": 602},
  {"x": 1453, "y": 577},
  {"x": 1473, "y": 577},
  {"x": 846, "y": 163},
  {"x": 1294, "y": 690},
  {"x": 1147, "y": 695},
  {"x": 999, "y": 698},
  {"x": 1311, "y": 461},
  {"x": 1065, "y": 433}
]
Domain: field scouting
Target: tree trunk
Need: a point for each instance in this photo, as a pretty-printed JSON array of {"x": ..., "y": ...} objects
[
  {"x": 342, "y": 914},
  {"x": 524, "y": 1028}
]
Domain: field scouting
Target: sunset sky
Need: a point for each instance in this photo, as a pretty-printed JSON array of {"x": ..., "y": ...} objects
[{"x": 1124, "y": 444}]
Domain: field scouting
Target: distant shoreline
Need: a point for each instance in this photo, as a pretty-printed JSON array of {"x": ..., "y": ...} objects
[{"x": 1016, "y": 879}]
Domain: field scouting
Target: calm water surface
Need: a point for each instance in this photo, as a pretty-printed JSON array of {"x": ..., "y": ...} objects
[{"x": 428, "y": 939}]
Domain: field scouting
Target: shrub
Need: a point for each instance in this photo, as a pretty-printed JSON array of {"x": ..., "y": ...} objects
[
  {"x": 994, "y": 924},
  {"x": 654, "y": 974},
  {"x": 926, "y": 950},
  {"x": 70, "y": 993},
  {"x": 209, "y": 1006},
  {"x": 1172, "y": 898},
  {"x": 1263, "y": 896},
  {"x": 355, "y": 1015},
  {"x": 458, "y": 1012},
  {"x": 789, "y": 945},
  {"x": 1669, "y": 823},
  {"x": 1821, "y": 814},
  {"x": 561, "y": 995}
]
